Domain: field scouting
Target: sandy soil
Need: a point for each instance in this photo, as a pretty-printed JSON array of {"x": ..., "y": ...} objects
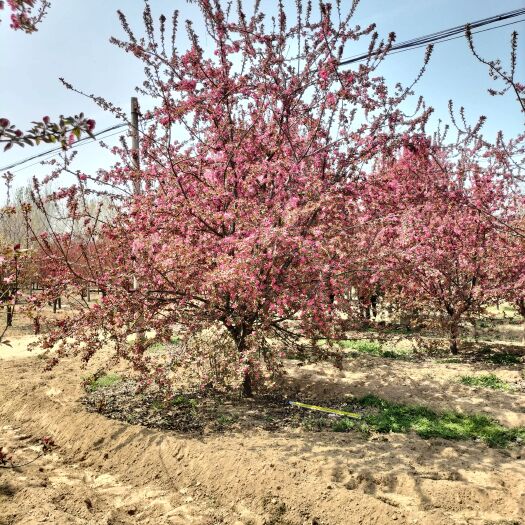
[
  {"x": 422, "y": 382},
  {"x": 107, "y": 472}
]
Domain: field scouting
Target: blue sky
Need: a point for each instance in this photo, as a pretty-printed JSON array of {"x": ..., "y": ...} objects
[{"x": 72, "y": 42}]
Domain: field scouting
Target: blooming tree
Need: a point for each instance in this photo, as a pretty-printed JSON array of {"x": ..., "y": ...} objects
[{"x": 250, "y": 159}]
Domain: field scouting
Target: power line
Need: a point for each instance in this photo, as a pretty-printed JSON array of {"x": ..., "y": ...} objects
[
  {"x": 460, "y": 36},
  {"x": 59, "y": 148},
  {"x": 53, "y": 153},
  {"x": 443, "y": 36}
]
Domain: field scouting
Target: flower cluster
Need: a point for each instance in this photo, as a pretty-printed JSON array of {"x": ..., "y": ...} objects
[{"x": 26, "y": 14}]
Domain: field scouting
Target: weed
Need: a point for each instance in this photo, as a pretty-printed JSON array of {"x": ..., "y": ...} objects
[
  {"x": 156, "y": 347},
  {"x": 179, "y": 401},
  {"x": 226, "y": 420},
  {"x": 316, "y": 423},
  {"x": 346, "y": 424},
  {"x": 485, "y": 381},
  {"x": 157, "y": 404},
  {"x": 390, "y": 354},
  {"x": 161, "y": 346}
]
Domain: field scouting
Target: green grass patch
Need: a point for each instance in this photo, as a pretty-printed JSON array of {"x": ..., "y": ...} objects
[
  {"x": 362, "y": 345},
  {"x": 385, "y": 416},
  {"x": 504, "y": 359},
  {"x": 485, "y": 381},
  {"x": 373, "y": 348},
  {"x": 161, "y": 346},
  {"x": 104, "y": 381}
]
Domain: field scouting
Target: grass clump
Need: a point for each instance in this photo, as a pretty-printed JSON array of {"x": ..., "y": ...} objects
[
  {"x": 485, "y": 381},
  {"x": 104, "y": 381},
  {"x": 226, "y": 420},
  {"x": 182, "y": 400},
  {"x": 386, "y": 416}
]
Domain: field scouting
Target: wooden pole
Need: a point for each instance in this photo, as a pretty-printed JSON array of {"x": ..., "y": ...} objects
[
  {"x": 135, "y": 152},
  {"x": 135, "y": 157}
]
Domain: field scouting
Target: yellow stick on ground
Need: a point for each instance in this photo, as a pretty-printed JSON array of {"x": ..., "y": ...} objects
[{"x": 324, "y": 409}]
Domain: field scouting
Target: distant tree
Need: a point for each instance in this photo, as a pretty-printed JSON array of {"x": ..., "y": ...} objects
[{"x": 442, "y": 228}]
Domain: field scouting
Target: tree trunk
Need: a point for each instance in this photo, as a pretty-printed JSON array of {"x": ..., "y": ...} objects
[
  {"x": 9, "y": 317},
  {"x": 373, "y": 304},
  {"x": 475, "y": 329},
  {"x": 36, "y": 325},
  {"x": 247, "y": 388},
  {"x": 247, "y": 383},
  {"x": 239, "y": 334},
  {"x": 454, "y": 336}
]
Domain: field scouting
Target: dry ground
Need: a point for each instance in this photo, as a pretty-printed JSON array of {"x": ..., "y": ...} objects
[{"x": 104, "y": 471}]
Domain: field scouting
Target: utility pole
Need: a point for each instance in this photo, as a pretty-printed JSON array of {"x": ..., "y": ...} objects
[
  {"x": 135, "y": 152},
  {"x": 135, "y": 158}
]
